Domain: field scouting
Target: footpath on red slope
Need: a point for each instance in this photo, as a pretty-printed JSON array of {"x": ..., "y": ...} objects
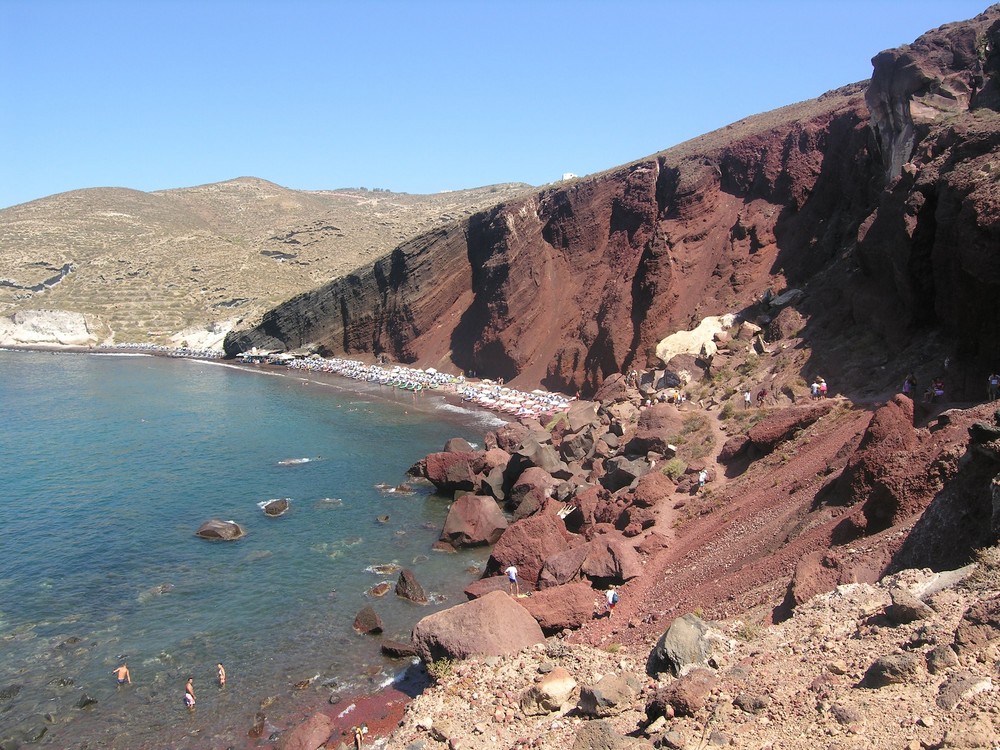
[{"x": 726, "y": 554}]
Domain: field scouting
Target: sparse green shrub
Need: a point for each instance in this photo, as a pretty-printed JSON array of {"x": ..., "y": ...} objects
[
  {"x": 728, "y": 410},
  {"x": 440, "y": 668},
  {"x": 674, "y": 468},
  {"x": 748, "y": 631},
  {"x": 693, "y": 423},
  {"x": 749, "y": 365}
]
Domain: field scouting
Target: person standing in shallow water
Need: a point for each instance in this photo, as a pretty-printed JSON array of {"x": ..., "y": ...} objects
[
  {"x": 189, "y": 693},
  {"x": 222, "y": 674},
  {"x": 122, "y": 675}
]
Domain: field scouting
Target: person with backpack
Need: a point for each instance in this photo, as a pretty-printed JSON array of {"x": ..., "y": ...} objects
[{"x": 612, "y": 599}]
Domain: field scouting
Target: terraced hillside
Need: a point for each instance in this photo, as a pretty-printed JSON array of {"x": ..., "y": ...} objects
[{"x": 156, "y": 267}]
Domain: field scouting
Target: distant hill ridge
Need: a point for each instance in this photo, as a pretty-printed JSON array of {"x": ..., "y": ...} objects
[{"x": 145, "y": 267}]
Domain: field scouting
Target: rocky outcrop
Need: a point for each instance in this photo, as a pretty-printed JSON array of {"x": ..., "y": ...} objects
[
  {"x": 219, "y": 530},
  {"x": 46, "y": 327},
  {"x": 564, "y": 607},
  {"x": 408, "y": 588},
  {"x": 492, "y": 625},
  {"x": 473, "y": 520}
]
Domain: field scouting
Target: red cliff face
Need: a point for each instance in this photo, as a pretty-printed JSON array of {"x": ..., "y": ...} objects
[{"x": 581, "y": 280}]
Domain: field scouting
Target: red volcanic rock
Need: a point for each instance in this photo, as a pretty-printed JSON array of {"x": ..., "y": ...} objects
[
  {"x": 408, "y": 588},
  {"x": 884, "y": 472},
  {"x": 582, "y": 414},
  {"x": 651, "y": 489},
  {"x": 783, "y": 424},
  {"x": 785, "y": 324},
  {"x": 684, "y": 696},
  {"x": 492, "y": 625},
  {"x": 458, "y": 445},
  {"x": 561, "y": 568},
  {"x": 817, "y": 573},
  {"x": 559, "y": 607},
  {"x": 367, "y": 621},
  {"x": 733, "y": 448},
  {"x": 310, "y": 734},
  {"x": 451, "y": 471},
  {"x": 473, "y": 520},
  {"x": 606, "y": 558},
  {"x": 613, "y": 390},
  {"x": 658, "y": 425},
  {"x": 652, "y": 543},
  {"x": 589, "y": 500},
  {"x": 507, "y": 438},
  {"x": 484, "y": 586},
  {"x": 526, "y": 544},
  {"x": 979, "y": 627},
  {"x": 530, "y": 491},
  {"x": 612, "y": 559}
]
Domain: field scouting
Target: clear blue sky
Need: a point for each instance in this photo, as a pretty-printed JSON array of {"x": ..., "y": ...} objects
[{"x": 416, "y": 96}]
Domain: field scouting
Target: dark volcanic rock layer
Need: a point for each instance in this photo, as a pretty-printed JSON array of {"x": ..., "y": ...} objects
[{"x": 885, "y": 193}]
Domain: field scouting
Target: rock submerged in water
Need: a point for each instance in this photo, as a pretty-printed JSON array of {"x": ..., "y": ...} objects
[{"x": 218, "y": 530}]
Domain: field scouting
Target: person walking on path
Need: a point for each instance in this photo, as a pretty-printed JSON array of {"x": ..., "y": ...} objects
[
  {"x": 513, "y": 587},
  {"x": 746, "y": 399},
  {"x": 122, "y": 674},
  {"x": 910, "y": 386},
  {"x": 222, "y": 674},
  {"x": 702, "y": 478},
  {"x": 993, "y": 387},
  {"x": 189, "y": 693}
]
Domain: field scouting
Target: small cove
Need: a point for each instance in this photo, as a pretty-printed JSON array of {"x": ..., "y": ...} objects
[{"x": 112, "y": 463}]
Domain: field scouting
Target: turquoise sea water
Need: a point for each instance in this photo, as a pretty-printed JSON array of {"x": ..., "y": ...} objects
[{"x": 109, "y": 464}]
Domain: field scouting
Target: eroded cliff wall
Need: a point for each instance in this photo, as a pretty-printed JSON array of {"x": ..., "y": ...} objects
[{"x": 892, "y": 182}]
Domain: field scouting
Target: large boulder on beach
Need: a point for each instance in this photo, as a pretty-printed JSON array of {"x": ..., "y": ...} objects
[
  {"x": 484, "y": 586},
  {"x": 310, "y": 734},
  {"x": 473, "y": 520},
  {"x": 492, "y": 625},
  {"x": 526, "y": 544},
  {"x": 451, "y": 471},
  {"x": 562, "y": 607},
  {"x": 218, "y": 530},
  {"x": 458, "y": 445}
]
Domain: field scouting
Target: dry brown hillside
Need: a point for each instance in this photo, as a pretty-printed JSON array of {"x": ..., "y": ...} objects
[{"x": 145, "y": 266}]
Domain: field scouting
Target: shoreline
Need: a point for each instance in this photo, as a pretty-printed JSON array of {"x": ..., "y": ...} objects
[{"x": 383, "y": 708}]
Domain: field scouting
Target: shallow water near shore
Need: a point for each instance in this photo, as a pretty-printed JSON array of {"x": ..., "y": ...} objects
[{"x": 112, "y": 463}]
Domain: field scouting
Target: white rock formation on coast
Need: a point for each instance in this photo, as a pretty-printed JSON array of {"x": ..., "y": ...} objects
[{"x": 45, "y": 328}]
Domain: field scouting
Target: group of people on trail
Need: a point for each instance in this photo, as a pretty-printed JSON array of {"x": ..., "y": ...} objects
[
  {"x": 936, "y": 391},
  {"x": 125, "y": 678},
  {"x": 818, "y": 388}
]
